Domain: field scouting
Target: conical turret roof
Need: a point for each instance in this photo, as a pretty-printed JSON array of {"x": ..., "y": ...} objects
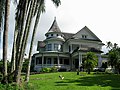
[{"x": 54, "y": 27}]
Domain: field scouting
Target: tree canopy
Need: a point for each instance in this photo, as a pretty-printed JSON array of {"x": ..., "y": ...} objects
[{"x": 90, "y": 61}]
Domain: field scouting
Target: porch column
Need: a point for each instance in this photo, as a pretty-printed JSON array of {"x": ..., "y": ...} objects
[
  {"x": 71, "y": 62},
  {"x": 35, "y": 61},
  {"x": 80, "y": 46},
  {"x": 52, "y": 61},
  {"x": 80, "y": 60},
  {"x": 99, "y": 61},
  {"x": 71, "y": 48},
  {"x": 42, "y": 60},
  {"x": 58, "y": 60}
]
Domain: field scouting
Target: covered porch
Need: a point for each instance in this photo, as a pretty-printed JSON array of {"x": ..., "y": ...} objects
[
  {"x": 78, "y": 57},
  {"x": 58, "y": 60}
]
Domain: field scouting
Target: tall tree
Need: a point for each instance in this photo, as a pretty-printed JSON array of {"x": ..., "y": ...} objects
[
  {"x": 2, "y": 10},
  {"x": 18, "y": 32},
  {"x": 24, "y": 41},
  {"x": 41, "y": 8},
  {"x": 114, "y": 58},
  {"x": 26, "y": 10},
  {"x": 5, "y": 40}
]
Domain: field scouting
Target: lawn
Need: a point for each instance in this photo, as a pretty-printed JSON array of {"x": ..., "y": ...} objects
[{"x": 72, "y": 81}]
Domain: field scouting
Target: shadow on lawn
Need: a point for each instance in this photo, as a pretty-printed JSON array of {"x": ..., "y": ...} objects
[{"x": 95, "y": 80}]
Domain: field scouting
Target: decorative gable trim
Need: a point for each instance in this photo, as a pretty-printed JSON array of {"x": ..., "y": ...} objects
[{"x": 84, "y": 36}]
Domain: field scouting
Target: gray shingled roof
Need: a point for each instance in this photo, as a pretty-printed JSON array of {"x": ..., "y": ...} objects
[
  {"x": 54, "y": 27},
  {"x": 67, "y": 35}
]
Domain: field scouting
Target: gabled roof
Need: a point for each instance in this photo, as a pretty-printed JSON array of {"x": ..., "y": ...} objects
[
  {"x": 86, "y": 29},
  {"x": 54, "y": 27}
]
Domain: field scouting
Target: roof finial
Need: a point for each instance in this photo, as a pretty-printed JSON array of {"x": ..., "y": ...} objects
[{"x": 54, "y": 18}]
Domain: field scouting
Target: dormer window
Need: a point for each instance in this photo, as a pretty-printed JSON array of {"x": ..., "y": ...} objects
[{"x": 84, "y": 36}]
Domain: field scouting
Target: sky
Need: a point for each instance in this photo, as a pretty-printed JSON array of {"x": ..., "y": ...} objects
[{"x": 102, "y": 17}]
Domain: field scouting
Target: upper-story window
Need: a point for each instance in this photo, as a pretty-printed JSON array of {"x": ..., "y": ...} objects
[
  {"x": 49, "y": 47},
  {"x": 57, "y": 47},
  {"x": 84, "y": 36}
]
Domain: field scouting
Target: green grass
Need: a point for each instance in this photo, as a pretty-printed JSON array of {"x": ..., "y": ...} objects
[{"x": 72, "y": 81}]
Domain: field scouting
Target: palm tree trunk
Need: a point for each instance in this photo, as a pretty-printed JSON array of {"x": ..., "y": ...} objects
[
  {"x": 5, "y": 40},
  {"x": 24, "y": 41},
  {"x": 31, "y": 45},
  {"x": 14, "y": 51},
  {"x": 20, "y": 28}
]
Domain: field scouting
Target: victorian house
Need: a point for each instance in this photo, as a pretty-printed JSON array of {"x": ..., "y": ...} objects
[{"x": 66, "y": 50}]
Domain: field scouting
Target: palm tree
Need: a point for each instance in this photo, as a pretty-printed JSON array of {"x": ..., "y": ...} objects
[
  {"x": 109, "y": 45},
  {"x": 26, "y": 10},
  {"x": 22, "y": 9},
  {"x": 2, "y": 9},
  {"x": 90, "y": 61},
  {"x": 40, "y": 9},
  {"x": 24, "y": 41},
  {"x": 5, "y": 40},
  {"x": 115, "y": 46}
]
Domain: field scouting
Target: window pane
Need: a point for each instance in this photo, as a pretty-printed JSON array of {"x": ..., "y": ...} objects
[
  {"x": 49, "y": 47},
  {"x": 56, "y": 47}
]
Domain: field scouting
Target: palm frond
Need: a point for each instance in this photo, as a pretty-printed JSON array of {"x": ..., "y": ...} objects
[
  {"x": 56, "y": 2},
  {"x": 42, "y": 4}
]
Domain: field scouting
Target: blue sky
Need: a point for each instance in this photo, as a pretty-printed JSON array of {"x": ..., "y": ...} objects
[{"x": 102, "y": 17}]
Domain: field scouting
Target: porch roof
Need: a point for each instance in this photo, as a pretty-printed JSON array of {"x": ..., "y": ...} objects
[{"x": 51, "y": 53}]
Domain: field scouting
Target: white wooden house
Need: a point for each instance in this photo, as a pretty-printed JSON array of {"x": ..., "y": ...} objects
[{"x": 66, "y": 50}]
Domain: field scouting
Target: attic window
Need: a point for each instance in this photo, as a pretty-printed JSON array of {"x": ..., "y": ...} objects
[{"x": 84, "y": 36}]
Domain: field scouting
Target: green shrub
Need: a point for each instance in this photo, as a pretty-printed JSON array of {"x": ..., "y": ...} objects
[
  {"x": 9, "y": 87},
  {"x": 47, "y": 70},
  {"x": 54, "y": 69}
]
